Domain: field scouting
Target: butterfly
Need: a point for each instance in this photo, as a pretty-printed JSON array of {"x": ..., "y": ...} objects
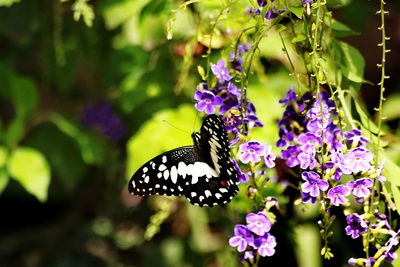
[{"x": 203, "y": 172}]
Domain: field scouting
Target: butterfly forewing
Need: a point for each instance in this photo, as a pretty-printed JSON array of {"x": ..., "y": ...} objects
[
  {"x": 214, "y": 149},
  {"x": 203, "y": 173},
  {"x": 165, "y": 174}
]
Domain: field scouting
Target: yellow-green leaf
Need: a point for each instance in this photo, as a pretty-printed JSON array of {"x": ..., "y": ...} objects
[{"x": 30, "y": 168}]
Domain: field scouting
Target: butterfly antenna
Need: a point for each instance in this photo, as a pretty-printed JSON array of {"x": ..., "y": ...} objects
[{"x": 173, "y": 126}]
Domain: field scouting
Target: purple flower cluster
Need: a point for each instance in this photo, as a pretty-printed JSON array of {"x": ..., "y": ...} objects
[
  {"x": 225, "y": 98},
  {"x": 271, "y": 10},
  {"x": 311, "y": 140},
  {"x": 355, "y": 225},
  {"x": 102, "y": 117},
  {"x": 254, "y": 237},
  {"x": 253, "y": 151}
]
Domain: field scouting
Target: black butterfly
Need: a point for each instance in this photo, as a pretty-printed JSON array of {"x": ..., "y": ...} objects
[{"x": 203, "y": 173}]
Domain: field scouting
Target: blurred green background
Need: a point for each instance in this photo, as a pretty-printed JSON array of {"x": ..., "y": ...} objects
[{"x": 91, "y": 90}]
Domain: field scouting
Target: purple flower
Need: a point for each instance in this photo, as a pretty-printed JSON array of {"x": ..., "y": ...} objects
[
  {"x": 304, "y": 2},
  {"x": 247, "y": 255},
  {"x": 262, "y": 3},
  {"x": 306, "y": 197},
  {"x": 220, "y": 71},
  {"x": 337, "y": 194},
  {"x": 308, "y": 142},
  {"x": 356, "y": 225},
  {"x": 360, "y": 187},
  {"x": 271, "y": 13},
  {"x": 252, "y": 151},
  {"x": 379, "y": 175},
  {"x": 313, "y": 183},
  {"x": 355, "y": 137},
  {"x": 258, "y": 223},
  {"x": 357, "y": 160},
  {"x": 232, "y": 122},
  {"x": 265, "y": 245},
  {"x": 290, "y": 96},
  {"x": 242, "y": 177},
  {"x": 269, "y": 159},
  {"x": 242, "y": 237},
  {"x": 307, "y": 160},
  {"x": 229, "y": 104},
  {"x": 103, "y": 117},
  {"x": 290, "y": 155},
  {"x": 391, "y": 246},
  {"x": 207, "y": 101}
]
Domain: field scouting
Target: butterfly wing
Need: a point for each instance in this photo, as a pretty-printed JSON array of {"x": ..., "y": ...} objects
[
  {"x": 166, "y": 174},
  {"x": 213, "y": 148}
]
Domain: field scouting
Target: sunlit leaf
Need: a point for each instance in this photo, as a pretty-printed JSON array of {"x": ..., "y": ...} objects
[
  {"x": 4, "y": 179},
  {"x": 30, "y": 168},
  {"x": 352, "y": 63},
  {"x": 341, "y": 30},
  {"x": 297, "y": 10},
  {"x": 8, "y": 3},
  {"x": 391, "y": 107},
  {"x": 167, "y": 129}
]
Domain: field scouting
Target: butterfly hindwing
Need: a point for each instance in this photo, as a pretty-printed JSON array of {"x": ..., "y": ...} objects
[
  {"x": 203, "y": 173},
  {"x": 165, "y": 174}
]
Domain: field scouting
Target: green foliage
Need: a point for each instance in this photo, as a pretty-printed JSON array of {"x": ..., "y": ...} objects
[
  {"x": 30, "y": 168},
  {"x": 8, "y": 3},
  {"x": 82, "y": 9}
]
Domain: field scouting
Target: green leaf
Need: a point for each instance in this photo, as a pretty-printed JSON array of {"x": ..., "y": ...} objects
[
  {"x": 391, "y": 170},
  {"x": 299, "y": 38},
  {"x": 391, "y": 108},
  {"x": 4, "y": 179},
  {"x": 352, "y": 62},
  {"x": 341, "y": 30},
  {"x": 23, "y": 93},
  {"x": 159, "y": 134},
  {"x": 297, "y": 10},
  {"x": 84, "y": 10},
  {"x": 365, "y": 119},
  {"x": 8, "y": 3},
  {"x": 280, "y": 27},
  {"x": 3, "y": 156},
  {"x": 30, "y": 168},
  {"x": 64, "y": 154},
  {"x": 92, "y": 150}
]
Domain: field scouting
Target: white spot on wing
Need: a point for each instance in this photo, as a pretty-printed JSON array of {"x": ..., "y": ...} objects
[
  {"x": 193, "y": 194},
  {"x": 145, "y": 169},
  {"x": 133, "y": 183},
  {"x": 166, "y": 174},
  {"x": 180, "y": 188},
  {"x": 182, "y": 169},
  {"x": 174, "y": 174},
  {"x": 164, "y": 159},
  {"x": 201, "y": 198},
  {"x": 207, "y": 193},
  {"x": 223, "y": 190},
  {"x": 162, "y": 167},
  {"x": 218, "y": 195},
  {"x": 146, "y": 180},
  {"x": 157, "y": 186}
]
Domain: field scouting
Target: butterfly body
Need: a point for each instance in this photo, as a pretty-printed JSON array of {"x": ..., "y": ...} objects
[{"x": 203, "y": 173}]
